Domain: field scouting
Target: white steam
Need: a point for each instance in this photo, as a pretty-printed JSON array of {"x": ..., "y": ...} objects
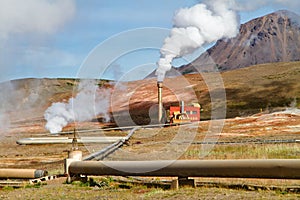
[
  {"x": 88, "y": 103},
  {"x": 17, "y": 97},
  {"x": 196, "y": 26},
  {"x": 9, "y": 100},
  {"x": 4, "y": 124}
]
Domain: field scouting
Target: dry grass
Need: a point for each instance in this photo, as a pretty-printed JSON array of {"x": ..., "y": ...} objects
[
  {"x": 115, "y": 190},
  {"x": 247, "y": 151}
]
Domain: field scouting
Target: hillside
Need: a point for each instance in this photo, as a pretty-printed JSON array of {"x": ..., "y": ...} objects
[
  {"x": 265, "y": 87},
  {"x": 249, "y": 90}
]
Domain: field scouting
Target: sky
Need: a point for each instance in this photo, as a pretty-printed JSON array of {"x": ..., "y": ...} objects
[{"x": 63, "y": 38}]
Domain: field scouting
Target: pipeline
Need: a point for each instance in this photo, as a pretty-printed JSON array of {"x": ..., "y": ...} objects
[
  {"x": 158, "y": 125},
  {"x": 249, "y": 168},
  {"x": 66, "y": 140},
  {"x": 22, "y": 173},
  {"x": 248, "y": 142},
  {"x": 99, "y": 155}
]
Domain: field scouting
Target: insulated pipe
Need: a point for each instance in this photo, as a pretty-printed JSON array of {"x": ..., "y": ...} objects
[
  {"x": 250, "y": 168},
  {"x": 160, "y": 106},
  {"x": 22, "y": 173}
]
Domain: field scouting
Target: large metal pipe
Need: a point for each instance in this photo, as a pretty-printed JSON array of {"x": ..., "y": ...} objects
[
  {"x": 160, "y": 106},
  {"x": 22, "y": 173},
  {"x": 268, "y": 168}
]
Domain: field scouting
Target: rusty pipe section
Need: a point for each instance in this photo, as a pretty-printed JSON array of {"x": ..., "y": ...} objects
[
  {"x": 22, "y": 173},
  {"x": 250, "y": 168},
  {"x": 160, "y": 106}
]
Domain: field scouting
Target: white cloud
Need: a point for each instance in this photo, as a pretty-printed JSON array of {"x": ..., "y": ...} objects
[
  {"x": 246, "y": 5},
  {"x": 27, "y": 29},
  {"x": 34, "y": 16}
]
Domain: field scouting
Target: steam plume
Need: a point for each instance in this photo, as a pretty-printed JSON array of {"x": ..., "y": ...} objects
[
  {"x": 89, "y": 102},
  {"x": 196, "y": 26},
  {"x": 4, "y": 124},
  {"x": 17, "y": 96},
  {"x": 9, "y": 102}
]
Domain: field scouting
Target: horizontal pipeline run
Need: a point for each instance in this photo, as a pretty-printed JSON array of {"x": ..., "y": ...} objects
[
  {"x": 66, "y": 140},
  {"x": 250, "y": 168},
  {"x": 22, "y": 173}
]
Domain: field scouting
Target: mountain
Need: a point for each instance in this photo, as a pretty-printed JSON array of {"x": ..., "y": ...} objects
[{"x": 272, "y": 38}]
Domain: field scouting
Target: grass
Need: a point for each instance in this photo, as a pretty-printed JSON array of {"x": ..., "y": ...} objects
[
  {"x": 269, "y": 85},
  {"x": 154, "y": 192},
  {"x": 247, "y": 151},
  {"x": 36, "y": 185},
  {"x": 7, "y": 188}
]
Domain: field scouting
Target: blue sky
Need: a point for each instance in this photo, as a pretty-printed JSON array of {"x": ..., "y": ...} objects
[{"x": 49, "y": 41}]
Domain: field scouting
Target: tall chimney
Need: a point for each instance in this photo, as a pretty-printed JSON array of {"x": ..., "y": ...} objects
[
  {"x": 160, "y": 106},
  {"x": 181, "y": 107}
]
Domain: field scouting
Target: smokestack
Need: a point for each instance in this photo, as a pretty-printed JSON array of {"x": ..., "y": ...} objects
[
  {"x": 181, "y": 107},
  {"x": 160, "y": 106}
]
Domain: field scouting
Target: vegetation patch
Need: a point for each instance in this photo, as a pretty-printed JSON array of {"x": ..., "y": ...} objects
[{"x": 248, "y": 151}]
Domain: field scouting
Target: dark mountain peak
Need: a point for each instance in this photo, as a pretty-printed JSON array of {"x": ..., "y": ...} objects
[{"x": 271, "y": 38}]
